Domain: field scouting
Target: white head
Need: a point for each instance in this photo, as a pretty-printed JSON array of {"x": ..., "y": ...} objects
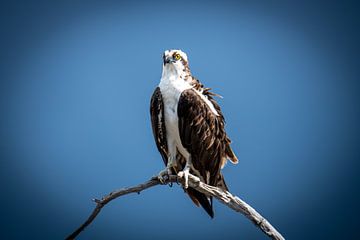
[{"x": 175, "y": 62}]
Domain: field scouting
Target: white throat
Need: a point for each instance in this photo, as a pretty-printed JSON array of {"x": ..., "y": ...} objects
[
  {"x": 172, "y": 82},
  {"x": 173, "y": 71}
]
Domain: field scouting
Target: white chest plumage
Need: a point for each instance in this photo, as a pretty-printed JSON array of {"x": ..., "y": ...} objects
[{"x": 171, "y": 88}]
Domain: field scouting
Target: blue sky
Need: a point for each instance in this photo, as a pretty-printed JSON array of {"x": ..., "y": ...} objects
[{"x": 76, "y": 81}]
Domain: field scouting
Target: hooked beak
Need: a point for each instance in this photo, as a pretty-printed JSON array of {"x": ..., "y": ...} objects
[{"x": 168, "y": 60}]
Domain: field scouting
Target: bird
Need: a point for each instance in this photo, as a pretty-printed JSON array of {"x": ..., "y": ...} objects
[{"x": 189, "y": 128}]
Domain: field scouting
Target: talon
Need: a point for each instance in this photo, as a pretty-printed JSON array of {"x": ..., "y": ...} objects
[
  {"x": 164, "y": 175},
  {"x": 161, "y": 176},
  {"x": 185, "y": 174}
]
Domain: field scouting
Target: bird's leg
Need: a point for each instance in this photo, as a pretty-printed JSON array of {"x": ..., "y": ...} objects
[
  {"x": 186, "y": 175},
  {"x": 185, "y": 172},
  {"x": 164, "y": 174}
]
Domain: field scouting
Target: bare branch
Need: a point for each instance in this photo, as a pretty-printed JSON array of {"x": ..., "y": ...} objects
[
  {"x": 234, "y": 203},
  {"x": 226, "y": 198}
]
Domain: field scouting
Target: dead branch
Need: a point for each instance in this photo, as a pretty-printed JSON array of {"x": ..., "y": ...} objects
[{"x": 226, "y": 198}]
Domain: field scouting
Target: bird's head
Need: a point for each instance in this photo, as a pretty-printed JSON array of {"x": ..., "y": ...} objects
[{"x": 175, "y": 61}]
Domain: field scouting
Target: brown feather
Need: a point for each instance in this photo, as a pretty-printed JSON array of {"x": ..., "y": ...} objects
[
  {"x": 158, "y": 124},
  {"x": 203, "y": 135}
]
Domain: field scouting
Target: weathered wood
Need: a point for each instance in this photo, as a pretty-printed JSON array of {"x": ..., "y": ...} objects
[
  {"x": 226, "y": 198},
  {"x": 234, "y": 203}
]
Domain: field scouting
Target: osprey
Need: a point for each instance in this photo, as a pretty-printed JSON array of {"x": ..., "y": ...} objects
[{"x": 188, "y": 128}]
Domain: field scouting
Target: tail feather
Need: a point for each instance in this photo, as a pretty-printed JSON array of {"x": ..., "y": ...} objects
[{"x": 201, "y": 199}]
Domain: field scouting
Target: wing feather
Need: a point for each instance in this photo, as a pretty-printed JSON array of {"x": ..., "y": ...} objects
[
  {"x": 202, "y": 133},
  {"x": 158, "y": 123}
]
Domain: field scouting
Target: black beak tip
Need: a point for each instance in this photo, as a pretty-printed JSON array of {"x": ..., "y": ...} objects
[{"x": 167, "y": 59}]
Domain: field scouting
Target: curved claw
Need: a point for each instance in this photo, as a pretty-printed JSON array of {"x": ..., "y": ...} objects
[{"x": 163, "y": 175}]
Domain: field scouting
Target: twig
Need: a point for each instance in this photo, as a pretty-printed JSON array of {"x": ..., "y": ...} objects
[{"x": 226, "y": 198}]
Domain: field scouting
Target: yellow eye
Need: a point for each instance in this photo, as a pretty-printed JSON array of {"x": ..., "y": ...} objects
[{"x": 177, "y": 56}]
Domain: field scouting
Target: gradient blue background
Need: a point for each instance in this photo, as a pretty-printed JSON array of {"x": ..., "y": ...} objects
[{"x": 76, "y": 80}]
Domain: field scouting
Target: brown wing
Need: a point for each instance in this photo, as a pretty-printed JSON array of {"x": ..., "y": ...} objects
[
  {"x": 158, "y": 123},
  {"x": 203, "y": 135},
  {"x": 229, "y": 152}
]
